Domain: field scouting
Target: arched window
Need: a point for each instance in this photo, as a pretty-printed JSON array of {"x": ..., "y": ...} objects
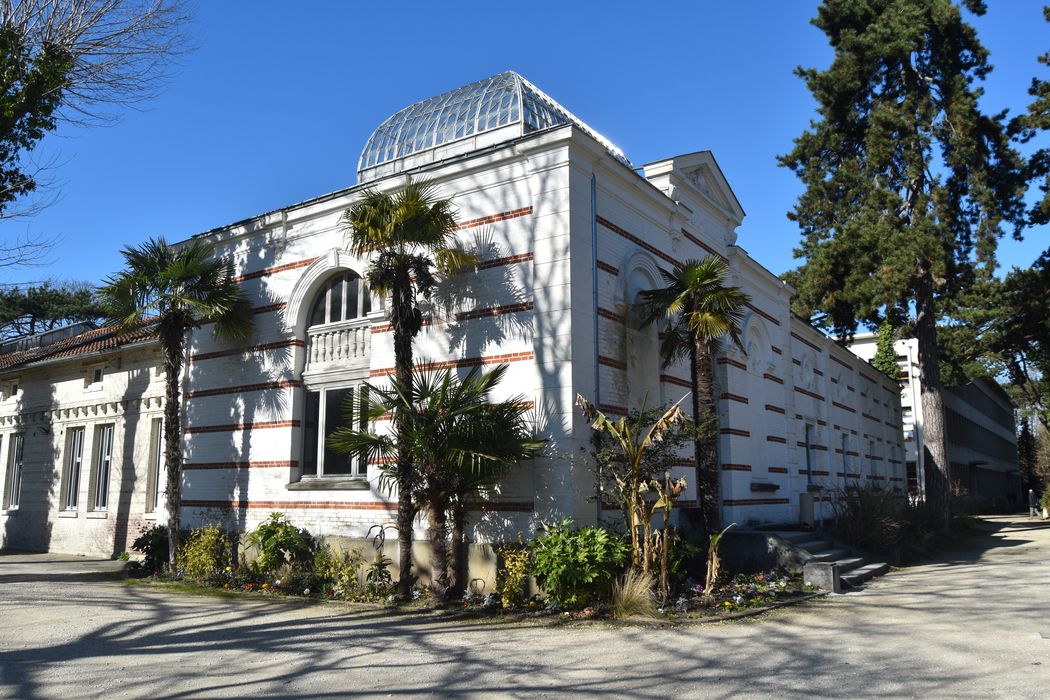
[{"x": 344, "y": 297}]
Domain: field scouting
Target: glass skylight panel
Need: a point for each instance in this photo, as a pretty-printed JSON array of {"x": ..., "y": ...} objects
[{"x": 488, "y": 104}]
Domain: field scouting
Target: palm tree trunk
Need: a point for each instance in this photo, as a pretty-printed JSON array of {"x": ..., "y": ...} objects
[
  {"x": 401, "y": 319},
  {"x": 457, "y": 569},
  {"x": 172, "y": 338},
  {"x": 708, "y": 478},
  {"x": 438, "y": 531},
  {"x": 936, "y": 468}
]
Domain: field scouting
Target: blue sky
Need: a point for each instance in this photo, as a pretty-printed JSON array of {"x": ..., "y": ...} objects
[{"x": 274, "y": 106}]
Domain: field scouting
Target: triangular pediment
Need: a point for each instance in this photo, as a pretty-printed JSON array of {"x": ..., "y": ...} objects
[{"x": 700, "y": 175}]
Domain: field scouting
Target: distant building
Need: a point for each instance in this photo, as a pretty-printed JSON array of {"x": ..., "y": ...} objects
[
  {"x": 569, "y": 234},
  {"x": 981, "y": 433}
]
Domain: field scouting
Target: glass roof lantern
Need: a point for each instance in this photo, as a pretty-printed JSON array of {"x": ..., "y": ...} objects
[{"x": 505, "y": 101}]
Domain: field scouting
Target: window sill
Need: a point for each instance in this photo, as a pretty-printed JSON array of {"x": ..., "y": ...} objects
[
  {"x": 68, "y": 514},
  {"x": 347, "y": 484},
  {"x": 9, "y": 511},
  {"x": 96, "y": 514},
  {"x": 149, "y": 516}
]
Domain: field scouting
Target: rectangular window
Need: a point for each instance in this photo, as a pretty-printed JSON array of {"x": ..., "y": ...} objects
[
  {"x": 325, "y": 411},
  {"x": 74, "y": 460},
  {"x": 155, "y": 476},
  {"x": 13, "y": 482},
  {"x": 103, "y": 462}
]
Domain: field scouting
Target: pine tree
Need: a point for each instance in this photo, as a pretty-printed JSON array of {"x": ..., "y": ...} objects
[{"x": 909, "y": 185}]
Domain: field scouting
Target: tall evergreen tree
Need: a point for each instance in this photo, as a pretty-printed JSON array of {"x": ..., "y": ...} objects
[
  {"x": 36, "y": 309},
  {"x": 909, "y": 184},
  {"x": 1029, "y": 125}
]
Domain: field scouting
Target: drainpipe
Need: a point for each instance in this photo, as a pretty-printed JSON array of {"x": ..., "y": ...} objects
[{"x": 594, "y": 311}]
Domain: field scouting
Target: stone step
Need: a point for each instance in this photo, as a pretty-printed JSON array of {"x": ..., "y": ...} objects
[
  {"x": 829, "y": 555},
  {"x": 814, "y": 546},
  {"x": 794, "y": 536},
  {"x": 849, "y": 564},
  {"x": 858, "y": 576}
]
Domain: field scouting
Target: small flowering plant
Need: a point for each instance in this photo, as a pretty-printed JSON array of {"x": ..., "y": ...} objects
[{"x": 745, "y": 591}]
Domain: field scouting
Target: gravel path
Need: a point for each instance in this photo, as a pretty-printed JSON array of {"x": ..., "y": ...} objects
[{"x": 973, "y": 624}]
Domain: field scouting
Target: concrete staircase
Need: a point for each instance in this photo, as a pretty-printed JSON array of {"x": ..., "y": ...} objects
[{"x": 854, "y": 567}]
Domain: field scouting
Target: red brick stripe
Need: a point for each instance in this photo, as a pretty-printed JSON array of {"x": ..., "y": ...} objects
[
  {"x": 736, "y": 467},
  {"x": 774, "y": 409},
  {"x": 267, "y": 271},
  {"x": 636, "y": 240},
  {"x": 731, "y": 362},
  {"x": 772, "y": 378},
  {"x": 777, "y": 350},
  {"x": 706, "y": 247},
  {"x": 847, "y": 366},
  {"x": 802, "y": 340},
  {"x": 611, "y": 315},
  {"x": 843, "y": 406},
  {"x": 240, "y": 465},
  {"x": 508, "y": 260},
  {"x": 735, "y": 431},
  {"x": 253, "y": 348},
  {"x": 610, "y": 362},
  {"x": 776, "y": 438},
  {"x": 260, "y": 425},
  {"x": 667, "y": 378},
  {"x": 811, "y": 394},
  {"x": 612, "y": 408},
  {"x": 606, "y": 267},
  {"x": 265, "y": 386},
  {"x": 768, "y": 317},
  {"x": 870, "y": 417},
  {"x": 778, "y": 470},
  {"x": 726, "y": 396},
  {"x": 864, "y": 376},
  {"x": 493, "y": 218},
  {"x": 494, "y": 311},
  {"x": 465, "y": 362},
  {"x": 756, "y": 501}
]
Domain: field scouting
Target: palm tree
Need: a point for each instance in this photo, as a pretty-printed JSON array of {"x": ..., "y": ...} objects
[
  {"x": 699, "y": 309},
  {"x": 412, "y": 230},
  {"x": 457, "y": 439},
  {"x": 177, "y": 288}
]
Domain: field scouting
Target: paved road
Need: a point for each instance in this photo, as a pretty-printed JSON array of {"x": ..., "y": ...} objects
[{"x": 974, "y": 624}]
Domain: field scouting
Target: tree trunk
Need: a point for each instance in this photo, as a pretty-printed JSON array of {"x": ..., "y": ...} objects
[
  {"x": 457, "y": 567},
  {"x": 936, "y": 468},
  {"x": 401, "y": 320},
  {"x": 173, "y": 338},
  {"x": 437, "y": 527},
  {"x": 705, "y": 415}
]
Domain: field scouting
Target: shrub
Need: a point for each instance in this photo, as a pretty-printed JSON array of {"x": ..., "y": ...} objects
[
  {"x": 281, "y": 543},
  {"x": 514, "y": 574},
  {"x": 870, "y": 517},
  {"x": 341, "y": 569},
  {"x": 633, "y": 595},
  {"x": 576, "y": 567},
  {"x": 153, "y": 543},
  {"x": 204, "y": 554},
  {"x": 378, "y": 581}
]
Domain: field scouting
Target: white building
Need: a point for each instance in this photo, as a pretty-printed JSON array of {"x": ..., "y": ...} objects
[
  {"x": 568, "y": 234},
  {"x": 981, "y": 433}
]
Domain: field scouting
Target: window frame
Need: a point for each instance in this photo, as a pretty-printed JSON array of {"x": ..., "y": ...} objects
[
  {"x": 155, "y": 473},
  {"x": 359, "y": 466},
  {"x": 73, "y": 468},
  {"x": 14, "y": 472},
  {"x": 363, "y": 305},
  {"x": 102, "y": 466}
]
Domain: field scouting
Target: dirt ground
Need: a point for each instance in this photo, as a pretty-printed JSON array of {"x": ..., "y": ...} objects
[{"x": 974, "y": 623}]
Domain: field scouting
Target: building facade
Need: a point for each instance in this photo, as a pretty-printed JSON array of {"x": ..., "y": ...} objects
[
  {"x": 981, "y": 431},
  {"x": 567, "y": 234}
]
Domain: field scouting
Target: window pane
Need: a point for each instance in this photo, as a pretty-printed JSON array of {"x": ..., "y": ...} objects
[
  {"x": 313, "y": 408},
  {"x": 336, "y": 463},
  {"x": 353, "y": 289},
  {"x": 335, "y": 308},
  {"x": 366, "y": 299},
  {"x": 76, "y": 453},
  {"x": 105, "y": 454},
  {"x": 317, "y": 313}
]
